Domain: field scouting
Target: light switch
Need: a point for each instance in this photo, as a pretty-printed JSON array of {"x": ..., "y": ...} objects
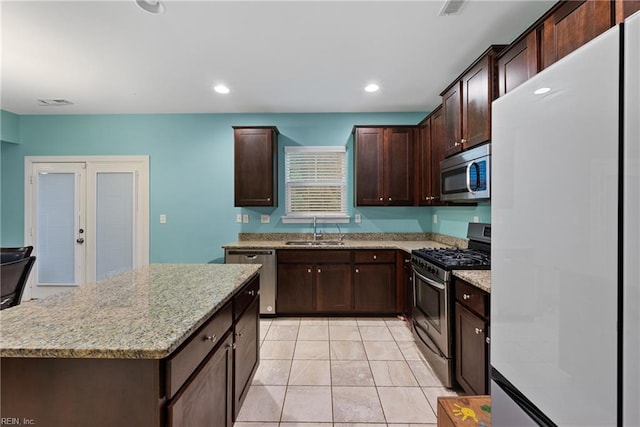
[
  {"x": 358, "y": 218},
  {"x": 476, "y": 219},
  {"x": 435, "y": 218},
  {"x": 239, "y": 218},
  {"x": 245, "y": 219},
  {"x": 264, "y": 219},
  {"x": 163, "y": 218}
]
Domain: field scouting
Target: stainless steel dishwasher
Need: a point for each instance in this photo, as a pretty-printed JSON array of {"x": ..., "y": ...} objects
[{"x": 266, "y": 257}]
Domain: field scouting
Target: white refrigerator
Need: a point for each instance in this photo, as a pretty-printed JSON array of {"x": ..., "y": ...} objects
[{"x": 565, "y": 291}]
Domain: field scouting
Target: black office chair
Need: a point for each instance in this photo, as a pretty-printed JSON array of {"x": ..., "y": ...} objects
[
  {"x": 14, "y": 254},
  {"x": 13, "y": 279}
]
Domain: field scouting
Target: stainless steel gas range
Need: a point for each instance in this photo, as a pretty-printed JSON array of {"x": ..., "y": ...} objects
[{"x": 433, "y": 297}]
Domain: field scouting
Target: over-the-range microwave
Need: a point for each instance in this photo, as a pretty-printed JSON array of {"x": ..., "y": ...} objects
[{"x": 466, "y": 177}]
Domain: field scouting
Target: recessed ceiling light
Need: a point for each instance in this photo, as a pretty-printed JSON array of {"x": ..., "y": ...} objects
[
  {"x": 221, "y": 89},
  {"x": 151, "y": 6},
  {"x": 372, "y": 87},
  {"x": 541, "y": 90}
]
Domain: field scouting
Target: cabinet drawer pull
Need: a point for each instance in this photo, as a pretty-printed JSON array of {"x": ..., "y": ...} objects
[
  {"x": 211, "y": 338},
  {"x": 357, "y": 270},
  {"x": 380, "y": 198},
  {"x": 463, "y": 141},
  {"x": 319, "y": 271},
  {"x": 268, "y": 199},
  {"x": 466, "y": 296},
  {"x": 309, "y": 271},
  {"x": 389, "y": 198},
  {"x": 375, "y": 257},
  {"x": 478, "y": 331},
  {"x": 232, "y": 346},
  {"x": 457, "y": 144}
]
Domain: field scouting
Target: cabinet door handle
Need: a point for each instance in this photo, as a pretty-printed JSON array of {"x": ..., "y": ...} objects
[
  {"x": 239, "y": 334},
  {"x": 457, "y": 144},
  {"x": 309, "y": 271},
  {"x": 357, "y": 270},
  {"x": 389, "y": 198},
  {"x": 319, "y": 271},
  {"x": 466, "y": 296},
  {"x": 268, "y": 199},
  {"x": 463, "y": 141},
  {"x": 487, "y": 340},
  {"x": 478, "y": 331},
  {"x": 211, "y": 338},
  {"x": 375, "y": 257},
  {"x": 380, "y": 198},
  {"x": 232, "y": 346},
  {"x": 251, "y": 292}
]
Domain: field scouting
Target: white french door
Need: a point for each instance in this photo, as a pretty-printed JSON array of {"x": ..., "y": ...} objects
[{"x": 87, "y": 219}]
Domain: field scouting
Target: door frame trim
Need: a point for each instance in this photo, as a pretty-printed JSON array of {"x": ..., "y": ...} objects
[{"x": 142, "y": 253}]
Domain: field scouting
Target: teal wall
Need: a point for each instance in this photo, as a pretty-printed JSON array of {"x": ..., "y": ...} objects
[
  {"x": 9, "y": 127},
  {"x": 191, "y": 167},
  {"x": 191, "y": 174}
]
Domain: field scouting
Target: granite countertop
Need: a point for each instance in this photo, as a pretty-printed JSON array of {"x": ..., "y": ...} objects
[
  {"x": 405, "y": 245},
  {"x": 479, "y": 278},
  {"x": 143, "y": 314}
]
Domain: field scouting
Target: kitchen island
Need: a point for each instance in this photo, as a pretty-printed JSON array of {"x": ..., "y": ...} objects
[{"x": 166, "y": 344}]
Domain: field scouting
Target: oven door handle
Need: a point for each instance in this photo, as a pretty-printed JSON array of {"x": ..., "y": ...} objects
[
  {"x": 430, "y": 282},
  {"x": 468, "y": 177}
]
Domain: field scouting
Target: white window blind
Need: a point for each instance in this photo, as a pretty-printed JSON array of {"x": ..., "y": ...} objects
[{"x": 315, "y": 181}]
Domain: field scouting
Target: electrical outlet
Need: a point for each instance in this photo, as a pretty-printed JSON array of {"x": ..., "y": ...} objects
[
  {"x": 245, "y": 219},
  {"x": 264, "y": 219},
  {"x": 476, "y": 219},
  {"x": 163, "y": 218},
  {"x": 358, "y": 218},
  {"x": 239, "y": 218},
  {"x": 435, "y": 218}
]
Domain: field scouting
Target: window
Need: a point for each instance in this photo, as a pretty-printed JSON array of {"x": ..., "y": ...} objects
[{"x": 315, "y": 182}]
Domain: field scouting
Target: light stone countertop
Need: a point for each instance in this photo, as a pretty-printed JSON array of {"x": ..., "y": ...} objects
[
  {"x": 143, "y": 314},
  {"x": 478, "y": 278},
  {"x": 405, "y": 245}
]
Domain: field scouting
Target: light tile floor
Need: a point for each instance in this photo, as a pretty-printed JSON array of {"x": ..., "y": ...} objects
[{"x": 340, "y": 372}]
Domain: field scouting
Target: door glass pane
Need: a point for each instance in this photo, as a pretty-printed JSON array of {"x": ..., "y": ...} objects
[
  {"x": 56, "y": 227},
  {"x": 114, "y": 224}
]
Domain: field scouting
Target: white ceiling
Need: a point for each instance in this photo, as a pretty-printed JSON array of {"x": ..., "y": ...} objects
[{"x": 287, "y": 56}]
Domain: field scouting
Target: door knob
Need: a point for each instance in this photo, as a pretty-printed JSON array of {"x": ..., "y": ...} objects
[{"x": 80, "y": 240}]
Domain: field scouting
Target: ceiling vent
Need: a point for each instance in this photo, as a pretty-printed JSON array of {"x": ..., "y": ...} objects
[
  {"x": 451, "y": 7},
  {"x": 53, "y": 102}
]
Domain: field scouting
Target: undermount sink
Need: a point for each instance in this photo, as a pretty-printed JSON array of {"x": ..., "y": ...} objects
[{"x": 315, "y": 243}]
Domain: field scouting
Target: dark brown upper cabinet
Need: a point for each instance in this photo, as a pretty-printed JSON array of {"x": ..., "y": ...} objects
[
  {"x": 429, "y": 154},
  {"x": 255, "y": 166},
  {"x": 520, "y": 61},
  {"x": 384, "y": 165},
  {"x": 466, "y": 104},
  {"x": 573, "y": 24}
]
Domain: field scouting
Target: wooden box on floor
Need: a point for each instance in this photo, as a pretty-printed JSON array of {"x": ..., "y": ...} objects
[{"x": 459, "y": 411}]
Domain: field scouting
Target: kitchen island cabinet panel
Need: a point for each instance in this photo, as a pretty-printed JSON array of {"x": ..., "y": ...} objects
[
  {"x": 206, "y": 400},
  {"x": 152, "y": 347},
  {"x": 246, "y": 352}
]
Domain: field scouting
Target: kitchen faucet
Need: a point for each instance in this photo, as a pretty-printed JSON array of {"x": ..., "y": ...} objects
[{"x": 316, "y": 235}]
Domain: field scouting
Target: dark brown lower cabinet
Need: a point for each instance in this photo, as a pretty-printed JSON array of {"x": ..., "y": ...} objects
[
  {"x": 246, "y": 348},
  {"x": 472, "y": 345},
  {"x": 295, "y": 289},
  {"x": 338, "y": 281},
  {"x": 333, "y": 288},
  {"x": 375, "y": 288},
  {"x": 206, "y": 400}
]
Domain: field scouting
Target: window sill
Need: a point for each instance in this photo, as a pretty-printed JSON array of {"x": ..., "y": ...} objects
[{"x": 320, "y": 219}]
